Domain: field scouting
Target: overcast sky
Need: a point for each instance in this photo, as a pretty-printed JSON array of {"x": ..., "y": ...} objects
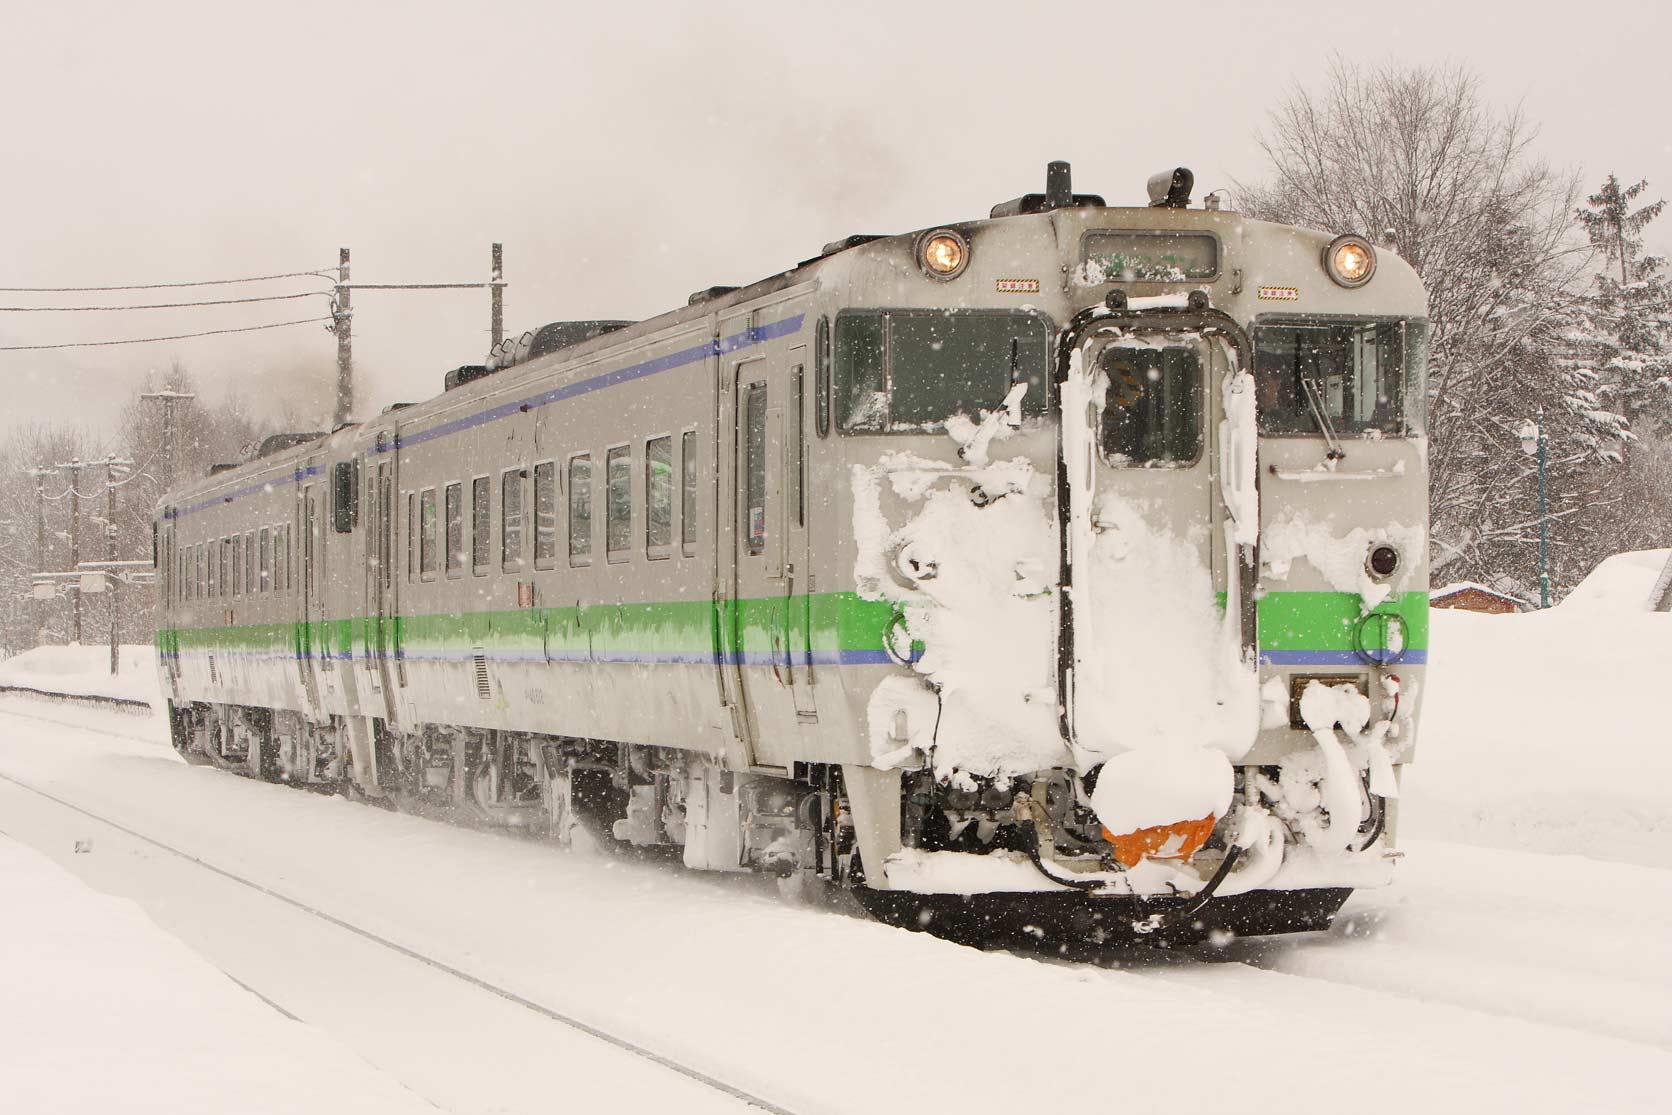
[{"x": 628, "y": 154}]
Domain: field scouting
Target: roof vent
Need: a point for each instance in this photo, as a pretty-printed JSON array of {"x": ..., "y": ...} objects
[
  {"x": 278, "y": 443},
  {"x": 1059, "y": 194},
  {"x": 710, "y": 294}
]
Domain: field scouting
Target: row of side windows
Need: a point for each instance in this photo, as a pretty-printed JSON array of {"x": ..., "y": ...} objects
[
  {"x": 248, "y": 564},
  {"x": 437, "y": 519}
]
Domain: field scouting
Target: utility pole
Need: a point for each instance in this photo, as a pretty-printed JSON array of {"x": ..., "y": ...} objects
[
  {"x": 168, "y": 396},
  {"x": 74, "y": 469},
  {"x": 40, "y": 475},
  {"x": 115, "y": 582},
  {"x": 497, "y": 314},
  {"x": 342, "y": 319}
]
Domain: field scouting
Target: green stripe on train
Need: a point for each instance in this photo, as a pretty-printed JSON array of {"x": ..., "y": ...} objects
[{"x": 836, "y": 621}]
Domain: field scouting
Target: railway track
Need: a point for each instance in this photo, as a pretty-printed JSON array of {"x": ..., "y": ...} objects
[{"x": 549, "y": 1013}]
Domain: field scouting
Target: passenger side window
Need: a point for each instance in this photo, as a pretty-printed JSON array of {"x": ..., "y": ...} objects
[
  {"x": 455, "y": 528},
  {"x": 511, "y": 520},
  {"x": 249, "y": 563},
  {"x": 481, "y": 524},
  {"x": 427, "y": 533},
  {"x": 580, "y": 509},
  {"x": 545, "y": 514},
  {"x": 618, "y": 503},
  {"x": 237, "y": 565},
  {"x": 658, "y": 497},
  {"x": 266, "y": 581}
]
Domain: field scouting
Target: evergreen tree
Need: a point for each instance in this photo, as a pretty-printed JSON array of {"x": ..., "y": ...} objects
[{"x": 1626, "y": 333}]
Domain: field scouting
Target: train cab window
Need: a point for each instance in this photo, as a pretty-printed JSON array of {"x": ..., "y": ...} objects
[
  {"x": 908, "y": 371},
  {"x": 754, "y": 468},
  {"x": 265, "y": 573},
  {"x": 618, "y": 503},
  {"x": 511, "y": 520},
  {"x": 545, "y": 514},
  {"x": 427, "y": 534},
  {"x": 580, "y": 509},
  {"x": 658, "y": 497},
  {"x": 455, "y": 528},
  {"x": 1355, "y": 377},
  {"x": 688, "y": 492},
  {"x": 1152, "y": 408},
  {"x": 481, "y": 524}
]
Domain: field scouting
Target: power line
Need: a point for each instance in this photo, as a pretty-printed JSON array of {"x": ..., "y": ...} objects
[
  {"x": 321, "y": 273},
  {"x": 161, "y": 305},
  {"x": 175, "y": 337}
]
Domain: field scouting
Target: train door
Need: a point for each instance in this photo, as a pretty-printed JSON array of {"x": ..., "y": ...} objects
[
  {"x": 1158, "y": 616},
  {"x": 380, "y": 544},
  {"x": 306, "y": 643},
  {"x": 797, "y": 516}
]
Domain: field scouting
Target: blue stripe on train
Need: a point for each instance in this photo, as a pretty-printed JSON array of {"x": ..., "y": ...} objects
[{"x": 683, "y": 358}]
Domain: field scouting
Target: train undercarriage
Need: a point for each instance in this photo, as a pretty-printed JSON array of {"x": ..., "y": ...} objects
[{"x": 675, "y": 805}]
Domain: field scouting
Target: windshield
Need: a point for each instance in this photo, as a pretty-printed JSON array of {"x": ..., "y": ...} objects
[
  {"x": 1365, "y": 377},
  {"x": 908, "y": 371},
  {"x": 1152, "y": 407}
]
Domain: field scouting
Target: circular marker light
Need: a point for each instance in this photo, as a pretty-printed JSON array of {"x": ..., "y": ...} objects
[
  {"x": 943, "y": 253},
  {"x": 1383, "y": 560},
  {"x": 1350, "y": 260}
]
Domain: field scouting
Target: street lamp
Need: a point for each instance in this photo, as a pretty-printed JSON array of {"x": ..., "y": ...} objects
[{"x": 1535, "y": 443}]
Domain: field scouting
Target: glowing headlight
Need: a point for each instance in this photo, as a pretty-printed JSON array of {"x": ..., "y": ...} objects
[
  {"x": 943, "y": 253},
  {"x": 1350, "y": 260}
]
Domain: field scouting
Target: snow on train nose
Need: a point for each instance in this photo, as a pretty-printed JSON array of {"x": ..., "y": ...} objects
[{"x": 1162, "y": 802}]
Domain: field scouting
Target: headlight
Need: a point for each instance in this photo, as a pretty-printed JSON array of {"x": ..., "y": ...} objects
[
  {"x": 1350, "y": 260},
  {"x": 1383, "y": 560},
  {"x": 943, "y": 253}
]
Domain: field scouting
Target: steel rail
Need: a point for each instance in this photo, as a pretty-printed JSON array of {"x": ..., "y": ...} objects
[{"x": 568, "y": 1020}]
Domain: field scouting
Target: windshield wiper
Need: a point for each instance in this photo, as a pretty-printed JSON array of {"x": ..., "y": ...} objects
[{"x": 1315, "y": 401}]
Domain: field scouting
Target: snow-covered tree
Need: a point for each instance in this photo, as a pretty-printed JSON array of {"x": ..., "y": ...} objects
[
  {"x": 1416, "y": 158},
  {"x": 1626, "y": 337}
]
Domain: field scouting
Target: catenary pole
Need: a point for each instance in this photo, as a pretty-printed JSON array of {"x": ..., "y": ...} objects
[
  {"x": 168, "y": 396},
  {"x": 74, "y": 469},
  {"x": 497, "y": 325},
  {"x": 343, "y": 320}
]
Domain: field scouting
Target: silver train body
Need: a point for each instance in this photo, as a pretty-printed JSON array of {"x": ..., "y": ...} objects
[{"x": 879, "y": 571}]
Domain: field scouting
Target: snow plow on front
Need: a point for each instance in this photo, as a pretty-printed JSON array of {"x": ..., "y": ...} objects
[{"x": 1060, "y": 573}]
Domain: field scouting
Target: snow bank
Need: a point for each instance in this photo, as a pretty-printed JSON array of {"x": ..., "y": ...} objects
[
  {"x": 102, "y": 1011},
  {"x": 86, "y": 669},
  {"x": 1618, "y": 585},
  {"x": 1548, "y": 731}
]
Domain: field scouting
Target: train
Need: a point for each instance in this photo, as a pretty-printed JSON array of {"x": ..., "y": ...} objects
[{"x": 1065, "y": 568}]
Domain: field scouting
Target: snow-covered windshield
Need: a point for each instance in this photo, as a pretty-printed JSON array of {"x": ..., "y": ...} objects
[
  {"x": 1152, "y": 413},
  {"x": 1366, "y": 376},
  {"x": 908, "y": 371}
]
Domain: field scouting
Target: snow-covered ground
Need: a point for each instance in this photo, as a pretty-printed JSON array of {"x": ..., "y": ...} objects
[
  {"x": 1519, "y": 963},
  {"x": 103, "y": 1011},
  {"x": 85, "y": 669}
]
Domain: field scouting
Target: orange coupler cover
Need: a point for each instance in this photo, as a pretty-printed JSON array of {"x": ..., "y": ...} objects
[{"x": 1179, "y": 840}]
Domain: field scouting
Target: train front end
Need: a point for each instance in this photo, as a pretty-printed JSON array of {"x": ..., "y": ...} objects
[{"x": 1162, "y": 610}]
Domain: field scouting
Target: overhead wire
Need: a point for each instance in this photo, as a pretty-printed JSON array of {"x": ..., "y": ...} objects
[
  {"x": 172, "y": 337},
  {"x": 324, "y": 273},
  {"x": 163, "y": 305}
]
